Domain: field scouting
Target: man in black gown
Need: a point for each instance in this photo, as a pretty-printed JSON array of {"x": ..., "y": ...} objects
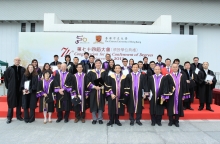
[{"x": 13, "y": 77}]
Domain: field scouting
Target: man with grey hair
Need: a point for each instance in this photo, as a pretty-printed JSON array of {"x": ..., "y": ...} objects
[
  {"x": 13, "y": 76},
  {"x": 206, "y": 86}
]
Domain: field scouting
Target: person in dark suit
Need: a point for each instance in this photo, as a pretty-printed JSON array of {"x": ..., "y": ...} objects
[
  {"x": 193, "y": 67},
  {"x": 55, "y": 62},
  {"x": 73, "y": 69},
  {"x": 90, "y": 64},
  {"x": 196, "y": 64},
  {"x": 68, "y": 61},
  {"x": 177, "y": 61},
  {"x": 86, "y": 60},
  {"x": 159, "y": 61},
  {"x": 150, "y": 71},
  {"x": 145, "y": 63}
]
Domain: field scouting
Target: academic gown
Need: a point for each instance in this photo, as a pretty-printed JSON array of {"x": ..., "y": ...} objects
[
  {"x": 157, "y": 85},
  {"x": 29, "y": 100},
  {"x": 63, "y": 81},
  {"x": 12, "y": 80},
  {"x": 79, "y": 88},
  {"x": 190, "y": 76},
  {"x": 46, "y": 87},
  {"x": 105, "y": 65},
  {"x": 135, "y": 95},
  {"x": 38, "y": 70},
  {"x": 87, "y": 67},
  {"x": 193, "y": 66},
  {"x": 97, "y": 98},
  {"x": 73, "y": 69},
  {"x": 116, "y": 86},
  {"x": 205, "y": 90},
  {"x": 146, "y": 66},
  {"x": 178, "y": 90},
  {"x": 162, "y": 65},
  {"x": 54, "y": 63}
]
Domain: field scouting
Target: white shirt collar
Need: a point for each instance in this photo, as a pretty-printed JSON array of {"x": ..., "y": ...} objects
[{"x": 79, "y": 73}]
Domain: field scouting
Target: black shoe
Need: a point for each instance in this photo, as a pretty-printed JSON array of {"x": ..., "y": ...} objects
[
  {"x": 20, "y": 119},
  {"x": 26, "y": 121},
  {"x": 159, "y": 124},
  {"x": 209, "y": 109},
  {"x": 100, "y": 122},
  {"x": 94, "y": 122},
  {"x": 8, "y": 121},
  {"x": 139, "y": 123},
  {"x": 132, "y": 123},
  {"x": 170, "y": 124},
  {"x": 153, "y": 124},
  {"x": 118, "y": 123},
  {"x": 31, "y": 121},
  {"x": 66, "y": 121},
  {"x": 58, "y": 120},
  {"x": 109, "y": 123},
  {"x": 177, "y": 124},
  {"x": 191, "y": 108},
  {"x": 200, "y": 109}
]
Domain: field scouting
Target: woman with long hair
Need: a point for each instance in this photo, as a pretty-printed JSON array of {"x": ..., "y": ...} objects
[
  {"x": 34, "y": 62},
  {"x": 29, "y": 93},
  {"x": 45, "y": 93},
  {"x": 46, "y": 67},
  {"x": 131, "y": 62}
]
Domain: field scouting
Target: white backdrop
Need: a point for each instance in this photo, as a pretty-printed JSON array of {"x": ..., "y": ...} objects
[{"x": 43, "y": 45}]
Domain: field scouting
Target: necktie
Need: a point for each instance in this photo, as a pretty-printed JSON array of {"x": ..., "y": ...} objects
[
  {"x": 97, "y": 71},
  {"x": 168, "y": 69}
]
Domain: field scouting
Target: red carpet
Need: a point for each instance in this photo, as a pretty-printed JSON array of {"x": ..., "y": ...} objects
[{"x": 189, "y": 115}]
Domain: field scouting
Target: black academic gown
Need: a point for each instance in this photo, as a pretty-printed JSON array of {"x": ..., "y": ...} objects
[
  {"x": 116, "y": 106},
  {"x": 73, "y": 69},
  {"x": 192, "y": 78},
  {"x": 205, "y": 90},
  {"x": 146, "y": 66},
  {"x": 183, "y": 90},
  {"x": 95, "y": 103},
  {"x": 141, "y": 85},
  {"x": 12, "y": 80},
  {"x": 161, "y": 64},
  {"x": 105, "y": 65},
  {"x": 193, "y": 66},
  {"x": 155, "y": 107},
  {"x": 63, "y": 102},
  {"x": 75, "y": 89},
  {"x": 87, "y": 67},
  {"x": 53, "y": 63},
  {"x": 30, "y": 100},
  {"x": 50, "y": 96}
]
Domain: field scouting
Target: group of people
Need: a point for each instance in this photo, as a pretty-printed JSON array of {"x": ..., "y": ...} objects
[{"x": 91, "y": 84}]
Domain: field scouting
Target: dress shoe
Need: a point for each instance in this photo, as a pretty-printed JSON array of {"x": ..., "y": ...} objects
[
  {"x": 177, "y": 124},
  {"x": 8, "y": 121},
  {"x": 200, "y": 109},
  {"x": 132, "y": 123},
  {"x": 191, "y": 108},
  {"x": 139, "y": 123},
  {"x": 159, "y": 124},
  {"x": 30, "y": 121},
  {"x": 100, "y": 122},
  {"x": 109, "y": 123},
  {"x": 83, "y": 120},
  {"x": 94, "y": 122},
  {"x": 20, "y": 119},
  {"x": 26, "y": 121},
  {"x": 76, "y": 120},
  {"x": 118, "y": 123},
  {"x": 170, "y": 124},
  {"x": 66, "y": 121},
  {"x": 58, "y": 120},
  {"x": 153, "y": 124},
  {"x": 209, "y": 109}
]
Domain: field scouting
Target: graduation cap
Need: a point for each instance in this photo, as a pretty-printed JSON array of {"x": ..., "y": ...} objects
[
  {"x": 76, "y": 101},
  {"x": 99, "y": 82}
]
